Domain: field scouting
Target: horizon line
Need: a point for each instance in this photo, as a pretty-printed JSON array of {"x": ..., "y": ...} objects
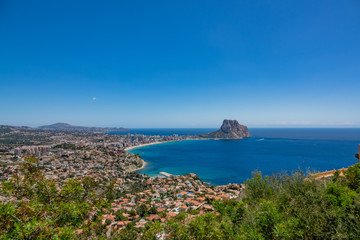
[{"x": 215, "y": 127}]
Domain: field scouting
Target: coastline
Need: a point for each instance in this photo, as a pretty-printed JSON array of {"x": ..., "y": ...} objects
[
  {"x": 143, "y": 145},
  {"x": 142, "y": 166},
  {"x": 149, "y": 144},
  {"x": 139, "y": 146},
  {"x": 153, "y": 143}
]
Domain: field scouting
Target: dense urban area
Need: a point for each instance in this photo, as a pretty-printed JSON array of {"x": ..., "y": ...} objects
[{"x": 83, "y": 184}]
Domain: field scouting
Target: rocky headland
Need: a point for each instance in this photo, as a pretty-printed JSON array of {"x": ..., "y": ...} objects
[{"x": 230, "y": 129}]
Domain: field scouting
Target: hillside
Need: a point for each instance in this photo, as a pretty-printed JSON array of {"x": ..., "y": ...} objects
[
  {"x": 68, "y": 127},
  {"x": 278, "y": 207}
]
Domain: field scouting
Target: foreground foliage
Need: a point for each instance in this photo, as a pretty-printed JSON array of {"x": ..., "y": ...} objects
[
  {"x": 39, "y": 210},
  {"x": 278, "y": 207}
]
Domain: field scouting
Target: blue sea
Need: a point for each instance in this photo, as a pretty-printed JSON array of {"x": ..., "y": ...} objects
[{"x": 269, "y": 151}]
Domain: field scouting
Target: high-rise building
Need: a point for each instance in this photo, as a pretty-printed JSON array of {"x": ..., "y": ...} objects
[{"x": 17, "y": 151}]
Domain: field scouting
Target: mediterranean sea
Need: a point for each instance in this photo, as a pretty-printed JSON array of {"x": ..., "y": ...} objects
[{"x": 269, "y": 151}]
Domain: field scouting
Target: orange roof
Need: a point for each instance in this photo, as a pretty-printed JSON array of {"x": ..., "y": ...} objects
[{"x": 172, "y": 214}]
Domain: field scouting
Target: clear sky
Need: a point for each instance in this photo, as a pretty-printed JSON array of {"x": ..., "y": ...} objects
[{"x": 180, "y": 63}]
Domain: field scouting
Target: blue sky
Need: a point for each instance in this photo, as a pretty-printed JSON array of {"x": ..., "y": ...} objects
[{"x": 180, "y": 63}]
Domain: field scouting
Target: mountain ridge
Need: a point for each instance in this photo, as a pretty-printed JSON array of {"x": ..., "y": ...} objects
[{"x": 68, "y": 127}]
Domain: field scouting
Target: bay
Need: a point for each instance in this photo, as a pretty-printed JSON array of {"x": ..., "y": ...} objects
[{"x": 269, "y": 151}]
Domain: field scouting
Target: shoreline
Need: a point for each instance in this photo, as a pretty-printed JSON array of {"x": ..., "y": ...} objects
[
  {"x": 153, "y": 143},
  {"x": 139, "y": 146},
  {"x": 318, "y": 175},
  {"x": 149, "y": 144},
  {"x": 142, "y": 167},
  {"x": 143, "y": 145}
]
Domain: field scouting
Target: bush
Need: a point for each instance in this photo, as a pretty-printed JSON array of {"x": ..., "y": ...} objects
[
  {"x": 282, "y": 206},
  {"x": 42, "y": 210},
  {"x": 107, "y": 222}
]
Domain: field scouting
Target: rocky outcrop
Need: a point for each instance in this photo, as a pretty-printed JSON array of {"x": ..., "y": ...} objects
[
  {"x": 137, "y": 164},
  {"x": 230, "y": 129}
]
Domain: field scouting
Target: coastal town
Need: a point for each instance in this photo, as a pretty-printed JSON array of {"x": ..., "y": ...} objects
[
  {"x": 179, "y": 120},
  {"x": 137, "y": 198}
]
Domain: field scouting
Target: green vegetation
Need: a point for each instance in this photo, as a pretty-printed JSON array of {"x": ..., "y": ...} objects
[
  {"x": 282, "y": 207},
  {"x": 24, "y": 137},
  {"x": 5, "y": 129},
  {"x": 43, "y": 211},
  {"x": 277, "y": 207}
]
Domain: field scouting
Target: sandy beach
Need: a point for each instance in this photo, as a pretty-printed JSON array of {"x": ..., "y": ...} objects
[
  {"x": 153, "y": 143},
  {"x": 142, "y": 145}
]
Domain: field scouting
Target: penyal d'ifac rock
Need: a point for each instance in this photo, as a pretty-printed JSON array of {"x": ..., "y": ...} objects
[{"x": 230, "y": 129}]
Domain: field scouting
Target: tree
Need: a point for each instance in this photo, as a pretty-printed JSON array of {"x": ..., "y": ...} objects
[
  {"x": 142, "y": 210},
  {"x": 153, "y": 210},
  {"x": 110, "y": 192},
  {"x": 107, "y": 222},
  {"x": 44, "y": 210},
  {"x": 119, "y": 216},
  {"x": 257, "y": 187},
  {"x": 132, "y": 213},
  {"x": 352, "y": 176}
]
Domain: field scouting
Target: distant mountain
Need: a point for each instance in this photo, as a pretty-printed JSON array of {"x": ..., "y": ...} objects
[
  {"x": 57, "y": 126},
  {"x": 230, "y": 129},
  {"x": 68, "y": 127},
  {"x": 8, "y": 128}
]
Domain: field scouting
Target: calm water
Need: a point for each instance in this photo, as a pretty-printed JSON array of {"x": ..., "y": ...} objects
[
  {"x": 269, "y": 150},
  {"x": 167, "y": 131}
]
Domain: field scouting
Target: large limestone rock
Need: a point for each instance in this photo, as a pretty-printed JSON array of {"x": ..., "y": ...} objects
[{"x": 230, "y": 129}]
